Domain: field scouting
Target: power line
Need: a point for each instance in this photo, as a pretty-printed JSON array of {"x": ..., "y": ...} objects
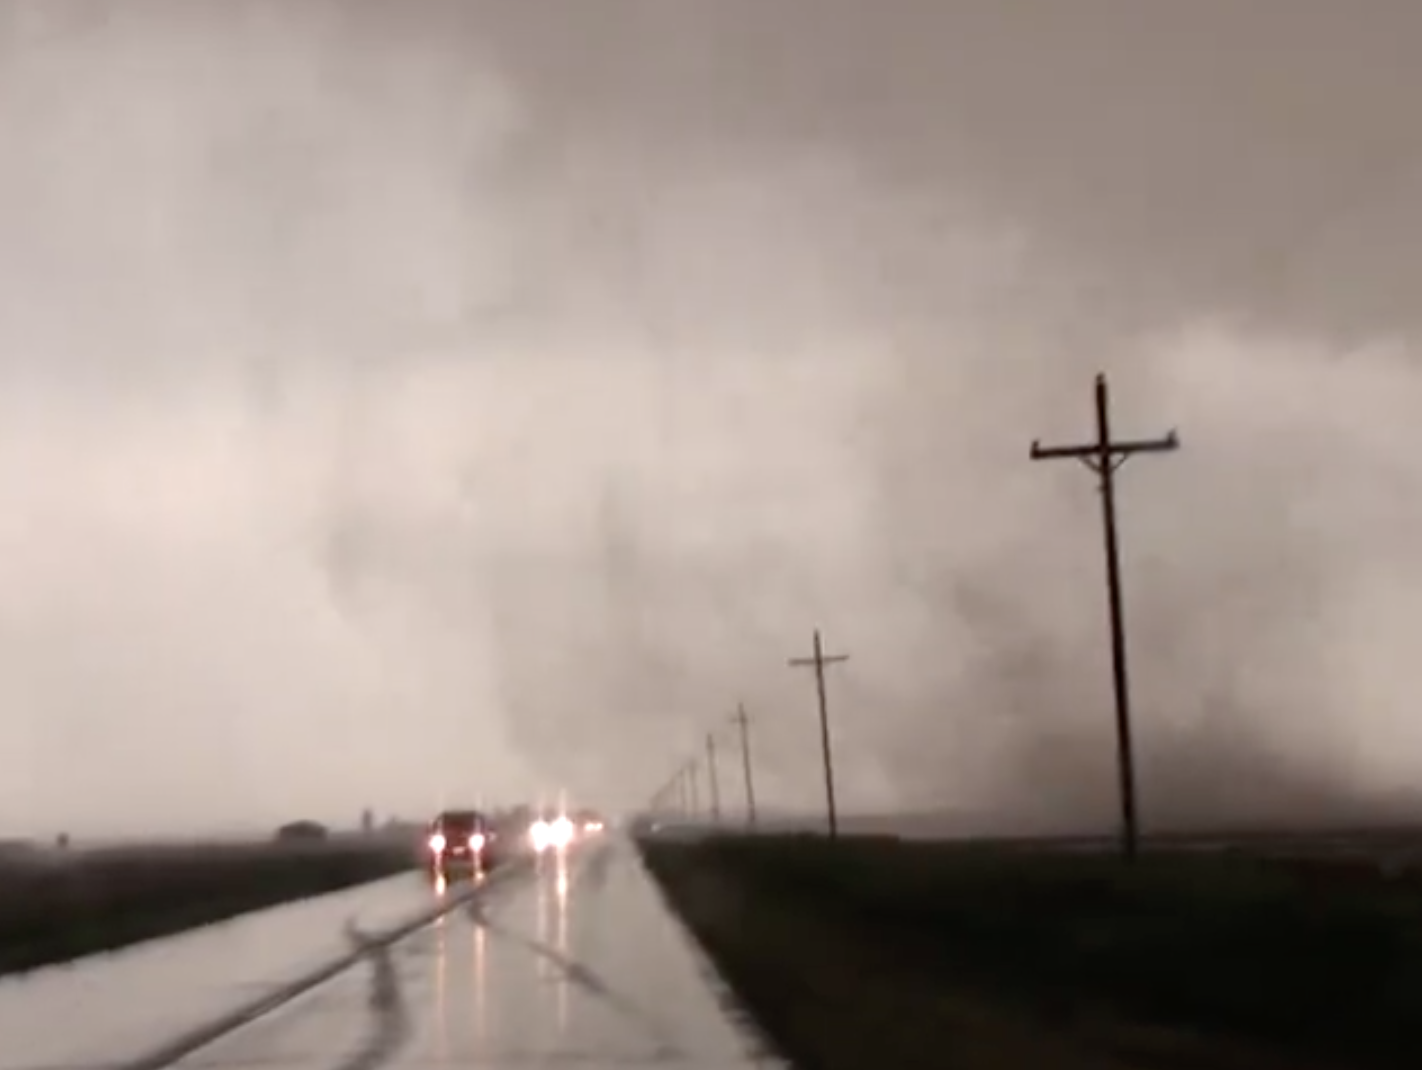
[
  {"x": 693, "y": 804},
  {"x": 819, "y": 659},
  {"x": 1104, "y": 457},
  {"x": 683, "y": 793}
]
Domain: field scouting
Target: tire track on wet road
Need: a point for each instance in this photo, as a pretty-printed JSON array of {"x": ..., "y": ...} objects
[{"x": 391, "y": 1024}]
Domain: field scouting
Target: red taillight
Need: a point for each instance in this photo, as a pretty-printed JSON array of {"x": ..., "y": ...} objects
[
  {"x": 476, "y": 841},
  {"x": 437, "y": 842}
]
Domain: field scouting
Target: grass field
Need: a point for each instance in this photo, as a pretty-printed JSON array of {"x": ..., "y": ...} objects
[
  {"x": 59, "y": 908},
  {"x": 876, "y": 952}
]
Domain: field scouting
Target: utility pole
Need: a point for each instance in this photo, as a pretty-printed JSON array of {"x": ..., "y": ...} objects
[
  {"x": 691, "y": 792},
  {"x": 819, "y": 659},
  {"x": 713, "y": 786},
  {"x": 1103, "y": 457},
  {"x": 744, "y": 722}
]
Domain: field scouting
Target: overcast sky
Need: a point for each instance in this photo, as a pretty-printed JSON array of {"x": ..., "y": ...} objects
[{"x": 424, "y": 402}]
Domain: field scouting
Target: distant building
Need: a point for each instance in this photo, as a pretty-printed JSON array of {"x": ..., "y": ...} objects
[{"x": 302, "y": 830}]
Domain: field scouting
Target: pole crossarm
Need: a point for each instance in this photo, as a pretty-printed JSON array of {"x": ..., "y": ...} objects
[{"x": 1118, "y": 451}]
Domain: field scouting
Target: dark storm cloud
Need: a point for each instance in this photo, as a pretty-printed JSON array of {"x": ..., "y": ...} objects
[
  {"x": 533, "y": 378},
  {"x": 1023, "y": 196}
]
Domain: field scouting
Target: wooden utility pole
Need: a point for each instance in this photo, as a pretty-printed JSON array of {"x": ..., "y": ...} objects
[
  {"x": 1104, "y": 457},
  {"x": 744, "y": 723},
  {"x": 712, "y": 784},
  {"x": 819, "y": 659}
]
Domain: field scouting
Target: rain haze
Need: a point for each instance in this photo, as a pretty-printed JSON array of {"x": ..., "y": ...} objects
[{"x": 425, "y": 402}]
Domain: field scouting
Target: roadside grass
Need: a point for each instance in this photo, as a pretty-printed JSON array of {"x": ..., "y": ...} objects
[
  {"x": 1179, "y": 959},
  {"x": 60, "y": 909}
]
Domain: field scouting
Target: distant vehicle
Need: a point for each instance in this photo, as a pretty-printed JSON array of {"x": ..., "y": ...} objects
[
  {"x": 589, "y": 821},
  {"x": 460, "y": 840},
  {"x": 552, "y": 831},
  {"x": 302, "y": 831},
  {"x": 556, "y": 830}
]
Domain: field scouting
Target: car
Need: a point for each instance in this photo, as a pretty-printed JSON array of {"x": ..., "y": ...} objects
[
  {"x": 459, "y": 840},
  {"x": 589, "y": 821},
  {"x": 552, "y": 831},
  {"x": 559, "y": 830}
]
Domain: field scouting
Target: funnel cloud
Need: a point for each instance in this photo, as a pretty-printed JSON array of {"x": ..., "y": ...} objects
[{"x": 419, "y": 403}]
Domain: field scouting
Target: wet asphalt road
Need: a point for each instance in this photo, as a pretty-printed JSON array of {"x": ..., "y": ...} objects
[{"x": 570, "y": 962}]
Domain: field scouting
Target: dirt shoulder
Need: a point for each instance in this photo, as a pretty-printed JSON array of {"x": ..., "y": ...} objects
[{"x": 875, "y": 952}]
